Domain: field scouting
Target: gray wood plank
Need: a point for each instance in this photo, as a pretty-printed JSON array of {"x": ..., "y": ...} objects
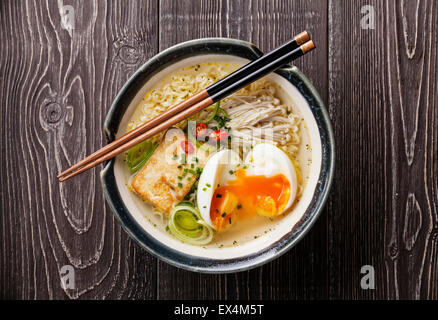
[
  {"x": 383, "y": 103},
  {"x": 301, "y": 273},
  {"x": 56, "y": 88},
  {"x": 381, "y": 88}
]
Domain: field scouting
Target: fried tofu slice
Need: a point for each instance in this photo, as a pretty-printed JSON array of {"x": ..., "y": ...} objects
[{"x": 170, "y": 173}]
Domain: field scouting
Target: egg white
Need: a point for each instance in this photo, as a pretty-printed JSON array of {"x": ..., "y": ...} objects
[
  {"x": 269, "y": 160},
  {"x": 216, "y": 171},
  {"x": 265, "y": 159}
]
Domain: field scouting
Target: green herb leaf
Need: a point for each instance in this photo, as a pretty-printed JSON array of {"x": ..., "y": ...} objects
[{"x": 137, "y": 156}]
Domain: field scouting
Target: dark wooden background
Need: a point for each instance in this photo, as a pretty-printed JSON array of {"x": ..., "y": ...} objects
[{"x": 380, "y": 87}]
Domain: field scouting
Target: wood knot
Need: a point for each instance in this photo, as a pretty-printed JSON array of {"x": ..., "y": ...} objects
[
  {"x": 52, "y": 112},
  {"x": 393, "y": 251},
  {"x": 129, "y": 55}
]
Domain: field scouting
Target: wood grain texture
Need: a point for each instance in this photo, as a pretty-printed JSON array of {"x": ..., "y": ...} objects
[
  {"x": 383, "y": 99},
  {"x": 57, "y": 87},
  {"x": 381, "y": 89}
]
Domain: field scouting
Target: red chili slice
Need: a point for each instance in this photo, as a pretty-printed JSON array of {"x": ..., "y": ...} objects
[
  {"x": 201, "y": 129},
  {"x": 187, "y": 147},
  {"x": 218, "y": 135}
]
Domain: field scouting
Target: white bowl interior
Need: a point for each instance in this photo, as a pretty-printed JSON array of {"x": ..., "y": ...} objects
[{"x": 151, "y": 223}]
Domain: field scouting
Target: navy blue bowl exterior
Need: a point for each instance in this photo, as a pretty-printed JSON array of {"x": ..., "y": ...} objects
[{"x": 200, "y": 264}]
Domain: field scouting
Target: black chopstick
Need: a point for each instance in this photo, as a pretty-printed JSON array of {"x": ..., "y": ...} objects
[
  {"x": 253, "y": 66},
  {"x": 263, "y": 70}
]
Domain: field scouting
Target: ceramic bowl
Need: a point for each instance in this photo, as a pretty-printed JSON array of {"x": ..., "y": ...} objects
[{"x": 137, "y": 218}]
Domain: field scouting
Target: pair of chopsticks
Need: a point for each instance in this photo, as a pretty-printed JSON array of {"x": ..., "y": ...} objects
[{"x": 295, "y": 48}]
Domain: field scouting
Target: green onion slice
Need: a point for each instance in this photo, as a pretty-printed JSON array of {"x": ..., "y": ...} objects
[
  {"x": 137, "y": 156},
  {"x": 186, "y": 223},
  {"x": 216, "y": 109}
]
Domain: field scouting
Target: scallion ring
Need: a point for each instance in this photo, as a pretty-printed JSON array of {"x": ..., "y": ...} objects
[{"x": 185, "y": 223}]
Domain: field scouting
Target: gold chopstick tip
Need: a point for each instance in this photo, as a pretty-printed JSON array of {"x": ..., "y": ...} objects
[
  {"x": 308, "y": 46},
  {"x": 302, "y": 37}
]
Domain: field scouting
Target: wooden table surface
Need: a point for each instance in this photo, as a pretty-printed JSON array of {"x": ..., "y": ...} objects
[{"x": 379, "y": 85}]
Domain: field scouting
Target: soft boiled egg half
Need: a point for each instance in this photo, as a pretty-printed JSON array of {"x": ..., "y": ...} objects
[{"x": 229, "y": 190}]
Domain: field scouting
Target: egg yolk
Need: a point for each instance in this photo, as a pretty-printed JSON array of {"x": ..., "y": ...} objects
[{"x": 247, "y": 196}]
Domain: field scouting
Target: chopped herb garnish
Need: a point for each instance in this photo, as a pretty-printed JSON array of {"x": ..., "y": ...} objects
[
  {"x": 191, "y": 171},
  {"x": 174, "y": 157},
  {"x": 224, "y": 215},
  {"x": 179, "y": 167},
  {"x": 180, "y": 178},
  {"x": 218, "y": 195},
  {"x": 180, "y": 184},
  {"x": 204, "y": 189},
  {"x": 239, "y": 206},
  {"x": 231, "y": 172},
  {"x": 208, "y": 185},
  {"x": 229, "y": 220},
  {"x": 192, "y": 166},
  {"x": 189, "y": 179}
]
